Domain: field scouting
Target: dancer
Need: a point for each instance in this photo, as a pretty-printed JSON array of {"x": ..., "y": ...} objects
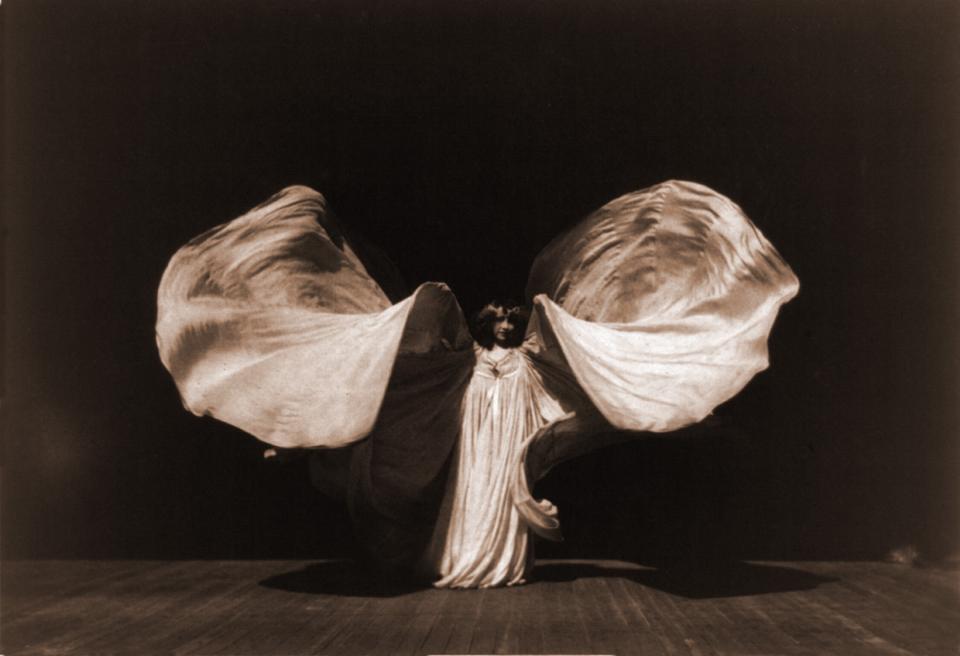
[{"x": 645, "y": 316}]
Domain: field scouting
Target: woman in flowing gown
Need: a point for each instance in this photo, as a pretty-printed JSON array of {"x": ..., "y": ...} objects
[
  {"x": 645, "y": 316},
  {"x": 480, "y": 539}
]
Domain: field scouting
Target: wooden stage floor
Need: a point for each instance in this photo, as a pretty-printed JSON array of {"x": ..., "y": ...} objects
[{"x": 573, "y": 607}]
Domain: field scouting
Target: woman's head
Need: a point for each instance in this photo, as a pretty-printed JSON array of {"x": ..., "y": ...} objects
[{"x": 500, "y": 323}]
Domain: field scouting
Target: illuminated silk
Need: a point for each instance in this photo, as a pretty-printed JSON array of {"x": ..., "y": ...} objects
[{"x": 646, "y": 315}]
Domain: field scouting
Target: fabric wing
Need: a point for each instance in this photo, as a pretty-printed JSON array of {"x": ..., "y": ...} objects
[
  {"x": 660, "y": 304},
  {"x": 271, "y": 323}
]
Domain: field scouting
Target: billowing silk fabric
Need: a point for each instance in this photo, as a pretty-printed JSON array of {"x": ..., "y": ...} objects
[{"x": 647, "y": 315}]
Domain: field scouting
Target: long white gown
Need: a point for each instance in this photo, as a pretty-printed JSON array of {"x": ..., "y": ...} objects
[
  {"x": 481, "y": 540},
  {"x": 647, "y": 314}
]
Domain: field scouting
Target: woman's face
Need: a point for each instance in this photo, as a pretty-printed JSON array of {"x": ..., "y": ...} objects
[{"x": 505, "y": 328}]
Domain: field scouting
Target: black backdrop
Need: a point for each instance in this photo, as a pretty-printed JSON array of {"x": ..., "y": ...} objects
[{"x": 461, "y": 137}]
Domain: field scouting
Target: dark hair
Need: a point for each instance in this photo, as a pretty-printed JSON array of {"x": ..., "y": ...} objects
[{"x": 482, "y": 324}]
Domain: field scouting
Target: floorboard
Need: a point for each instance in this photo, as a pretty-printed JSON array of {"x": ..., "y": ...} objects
[{"x": 207, "y": 608}]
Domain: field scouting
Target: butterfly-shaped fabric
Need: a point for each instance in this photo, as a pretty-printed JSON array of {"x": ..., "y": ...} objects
[{"x": 646, "y": 315}]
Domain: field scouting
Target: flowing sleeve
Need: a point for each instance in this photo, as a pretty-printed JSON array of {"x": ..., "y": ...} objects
[
  {"x": 659, "y": 304},
  {"x": 272, "y": 323}
]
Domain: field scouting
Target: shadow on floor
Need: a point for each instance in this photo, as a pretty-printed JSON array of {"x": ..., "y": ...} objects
[
  {"x": 698, "y": 581},
  {"x": 343, "y": 578}
]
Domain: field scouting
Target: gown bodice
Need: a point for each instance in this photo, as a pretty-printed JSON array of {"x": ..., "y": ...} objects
[{"x": 497, "y": 363}]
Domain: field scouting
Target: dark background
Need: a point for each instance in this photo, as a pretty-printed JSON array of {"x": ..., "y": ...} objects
[{"x": 461, "y": 139}]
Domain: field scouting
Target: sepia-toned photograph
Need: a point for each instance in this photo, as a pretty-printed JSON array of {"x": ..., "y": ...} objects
[{"x": 411, "y": 327}]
